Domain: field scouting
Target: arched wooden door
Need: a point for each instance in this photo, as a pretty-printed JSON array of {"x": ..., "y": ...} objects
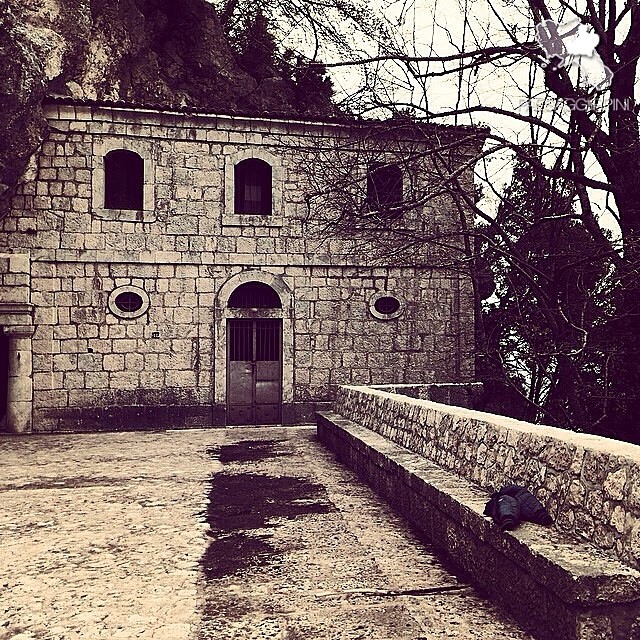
[{"x": 254, "y": 358}]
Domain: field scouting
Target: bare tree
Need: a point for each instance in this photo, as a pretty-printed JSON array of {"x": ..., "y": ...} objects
[
  {"x": 566, "y": 116},
  {"x": 393, "y": 184}
]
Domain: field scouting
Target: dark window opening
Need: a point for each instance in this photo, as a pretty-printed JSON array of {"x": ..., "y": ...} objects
[
  {"x": 254, "y": 295},
  {"x": 123, "y": 180},
  {"x": 252, "y": 184},
  {"x": 128, "y": 301},
  {"x": 387, "y": 305},
  {"x": 384, "y": 186}
]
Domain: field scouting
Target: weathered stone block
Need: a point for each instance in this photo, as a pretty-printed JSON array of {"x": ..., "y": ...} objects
[
  {"x": 614, "y": 484},
  {"x": 180, "y": 378},
  {"x": 54, "y": 398},
  {"x": 124, "y": 380},
  {"x": 97, "y": 380},
  {"x": 113, "y": 362},
  {"x": 48, "y": 381},
  {"x": 65, "y": 362},
  {"x": 152, "y": 379},
  {"x": 90, "y": 362},
  {"x": 134, "y": 362}
]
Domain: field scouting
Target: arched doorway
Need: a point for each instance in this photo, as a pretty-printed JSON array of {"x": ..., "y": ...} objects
[{"x": 254, "y": 355}]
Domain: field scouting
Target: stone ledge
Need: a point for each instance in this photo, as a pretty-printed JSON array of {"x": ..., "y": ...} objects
[{"x": 556, "y": 586}]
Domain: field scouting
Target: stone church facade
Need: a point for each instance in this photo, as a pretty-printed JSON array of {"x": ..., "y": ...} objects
[{"x": 162, "y": 269}]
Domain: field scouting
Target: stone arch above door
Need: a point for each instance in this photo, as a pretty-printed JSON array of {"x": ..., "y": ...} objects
[{"x": 253, "y": 275}]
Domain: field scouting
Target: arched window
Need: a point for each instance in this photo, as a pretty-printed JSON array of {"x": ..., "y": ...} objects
[
  {"x": 123, "y": 180},
  {"x": 254, "y": 295},
  {"x": 252, "y": 187},
  {"x": 384, "y": 186}
]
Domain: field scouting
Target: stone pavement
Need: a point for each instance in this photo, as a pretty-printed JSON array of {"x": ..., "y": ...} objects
[{"x": 242, "y": 533}]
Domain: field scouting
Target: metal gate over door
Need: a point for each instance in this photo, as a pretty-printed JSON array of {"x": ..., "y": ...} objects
[{"x": 254, "y": 371}]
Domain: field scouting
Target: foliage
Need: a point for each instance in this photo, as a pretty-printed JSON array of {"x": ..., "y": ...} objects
[
  {"x": 256, "y": 47},
  {"x": 546, "y": 338},
  {"x": 253, "y": 36},
  {"x": 309, "y": 83}
]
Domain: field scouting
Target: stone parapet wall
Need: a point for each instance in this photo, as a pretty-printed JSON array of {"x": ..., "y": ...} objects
[
  {"x": 589, "y": 484},
  {"x": 460, "y": 394},
  {"x": 556, "y": 586}
]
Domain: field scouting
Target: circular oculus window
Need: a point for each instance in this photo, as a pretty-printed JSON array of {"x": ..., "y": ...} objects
[
  {"x": 128, "y": 302},
  {"x": 385, "y": 306}
]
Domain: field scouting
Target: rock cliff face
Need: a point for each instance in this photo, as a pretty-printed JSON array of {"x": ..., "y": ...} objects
[{"x": 157, "y": 52}]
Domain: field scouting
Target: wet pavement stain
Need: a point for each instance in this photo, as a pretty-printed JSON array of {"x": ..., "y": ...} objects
[
  {"x": 249, "y": 451},
  {"x": 240, "y": 507},
  {"x": 231, "y": 553},
  {"x": 241, "y": 502}
]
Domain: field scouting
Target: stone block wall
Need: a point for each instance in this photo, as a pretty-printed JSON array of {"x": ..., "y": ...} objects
[
  {"x": 187, "y": 214},
  {"x": 589, "y": 484},
  {"x": 338, "y": 341},
  {"x": 92, "y": 369},
  {"x": 15, "y": 279}
]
